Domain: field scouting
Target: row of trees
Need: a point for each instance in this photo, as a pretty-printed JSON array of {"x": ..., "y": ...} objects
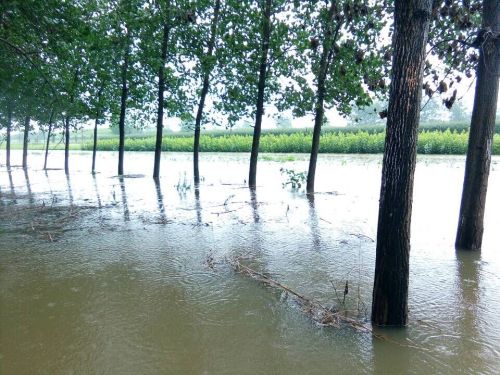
[{"x": 133, "y": 60}]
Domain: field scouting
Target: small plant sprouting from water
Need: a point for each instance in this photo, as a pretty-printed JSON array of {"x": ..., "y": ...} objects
[
  {"x": 294, "y": 179},
  {"x": 183, "y": 185}
]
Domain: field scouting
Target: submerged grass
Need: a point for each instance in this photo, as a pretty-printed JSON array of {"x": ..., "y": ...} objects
[{"x": 361, "y": 142}]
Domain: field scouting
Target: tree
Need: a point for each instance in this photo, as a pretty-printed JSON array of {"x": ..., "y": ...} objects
[
  {"x": 390, "y": 290},
  {"x": 477, "y": 165},
  {"x": 340, "y": 36},
  {"x": 284, "y": 122},
  {"x": 207, "y": 63},
  {"x": 261, "y": 86}
]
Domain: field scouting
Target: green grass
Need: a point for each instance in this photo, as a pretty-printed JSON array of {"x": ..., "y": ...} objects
[{"x": 430, "y": 142}]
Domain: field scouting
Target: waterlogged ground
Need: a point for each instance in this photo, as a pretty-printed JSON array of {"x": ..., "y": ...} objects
[{"x": 101, "y": 275}]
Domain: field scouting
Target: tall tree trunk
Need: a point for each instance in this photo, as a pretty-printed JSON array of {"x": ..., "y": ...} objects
[
  {"x": 9, "y": 127},
  {"x": 390, "y": 290},
  {"x": 94, "y": 146},
  {"x": 48, "y": 139},
  {"x": 266, "y": 34},
  {"x": 66, "y": 125},
  {"x": 477, "y": 166},
  {"x": 66, "y": 145},
  {"x": 328, "y": 41},
  {"x": 123, "y": 105},
  {"x": 25, "y": 141},
  {"x": 204, "y": 92},
  {"x": 161, "y": 91}
]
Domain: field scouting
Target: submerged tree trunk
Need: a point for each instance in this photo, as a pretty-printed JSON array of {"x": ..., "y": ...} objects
[
  {"x": 161, "y": 92},
  {"x": 9, "y": 127},
  {"x": 123, "y": 106},
  {"x": 266, "y": 34},
  {"x": 25, "y": 141},
  {"x": 477, "y": 166},
  {"x": 390, "y": 290},
  {"x": 326, "y": 55},
  {"x": 204, "y": 92},
  {"x": 94, "y": 146},
  {"x": 49, "y": 131}
]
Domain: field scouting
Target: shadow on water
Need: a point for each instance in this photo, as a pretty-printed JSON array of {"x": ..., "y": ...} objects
[
  {"x": 314, "y": 223},
  {"x": 159, "y": 200},
  {"x": 126, "y": 212}
]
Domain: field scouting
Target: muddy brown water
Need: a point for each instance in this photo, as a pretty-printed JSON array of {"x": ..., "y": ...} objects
[{"x": 101, "y": 275}]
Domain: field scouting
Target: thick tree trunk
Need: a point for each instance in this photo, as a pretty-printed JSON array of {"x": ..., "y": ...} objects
[
  {"x": 66, "y": 145},
  {"x": 49, "y": 132},
  {"x": 25, "y": 141},
  {"x": 266, "y": 34},
  {"x": 390, "y": 290},
  {"x": 161, "y": 91},
  {"x": 477, "y": 166},
  {"x": 204, "y": 92},
  {"x": 94, "y": 146},
  {"x": 9, "y": 127},
  {"x": 325, "y": 61},
  {"x": 123, "y": 106}
]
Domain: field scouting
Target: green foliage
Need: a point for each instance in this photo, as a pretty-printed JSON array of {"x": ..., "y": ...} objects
[
  {"x": 430, "y": 142},
  {"x": 294, "y": 179}
]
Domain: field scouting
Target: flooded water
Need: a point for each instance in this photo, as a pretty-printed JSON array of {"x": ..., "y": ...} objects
[{"x": 107, "y": 275}]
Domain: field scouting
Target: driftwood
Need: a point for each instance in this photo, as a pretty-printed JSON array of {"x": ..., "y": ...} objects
[{"x": 316, "y": 311}]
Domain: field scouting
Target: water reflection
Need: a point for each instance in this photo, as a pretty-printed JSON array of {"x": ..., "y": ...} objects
[
  {"x": 255, "y": 205},
  {"x": 469, "y": 340},
  {"x": 96, "y": 190},
  {"x": 313, "y": 223},
  {"x": 70, "y": 190},
  {"x": 11, "y": 183},
  {"x": 197, "y": 205},
  {"x": 28, "y": 185},
  {"x": 126, "y": 212},
  {"x": 391, "y": 341},
  {"x": 159, "y": 200}
]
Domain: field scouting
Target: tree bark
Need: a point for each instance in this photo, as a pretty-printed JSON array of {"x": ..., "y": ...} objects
[
  {"x": 25, "y": 141},
  {"x": 94, "y": 146},
  {"x": 390, "y": 290},
  {"x": 161, "y": 91},
  {"x": 123, "y": 105},
  {"x": 48, "y": 140},
  {"x": 266, "y": 34},
  {"x": 66, "y": 125},
  {"x": 328, "y": 41},
  {"x": 66, "y": 145},
  {"x": 204, "y": 92},
  {"x": 477, "y": 165},
  {"x": 9, "y": 128}
]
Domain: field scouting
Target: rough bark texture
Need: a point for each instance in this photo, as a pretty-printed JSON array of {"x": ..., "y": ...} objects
[
  {"x": 123, "y": 106},
  {"x": 7, "y": 145},
  {"x": 161, "y": 91},
  {"x": 477, "y": 166},
  {"x": 203, "y": 95},
  {"x": 25, "y": 141},
  {"x": 326, "y": 55},
  {"x": 49, "y": 132},
  {"x": 390, "y": 291},
  {"x": 266, "y": 33}
]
